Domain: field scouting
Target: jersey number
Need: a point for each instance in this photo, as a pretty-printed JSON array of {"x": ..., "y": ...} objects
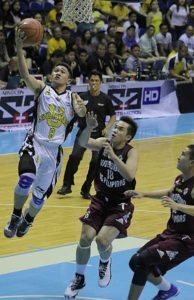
[{"x": 51, "y": 133}]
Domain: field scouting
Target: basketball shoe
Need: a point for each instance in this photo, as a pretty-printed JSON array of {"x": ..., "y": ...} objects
[
  {"x": 163, "y": 295},
  {"x": 75, "y": 285},
  {"x": 104, "y": 273},
  {"x": 23, "y": 227},
  {"x": 12, "y": 226}
]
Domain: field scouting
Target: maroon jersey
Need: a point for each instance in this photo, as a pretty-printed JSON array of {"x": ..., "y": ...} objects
[
  {"x": 180, "y": 222},
  {"x": 108, "y": 181}
]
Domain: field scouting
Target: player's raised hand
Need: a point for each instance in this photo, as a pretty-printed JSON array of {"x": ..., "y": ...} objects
[
  {"x": 79, "y": 105},
  {"x": 19, "y": 37},
  {"x": 108, "y": 150},
  {"x": 91, "y": 120}
]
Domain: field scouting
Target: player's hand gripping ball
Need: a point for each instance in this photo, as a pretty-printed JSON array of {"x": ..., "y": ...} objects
[{"x": 33, "y": 31}]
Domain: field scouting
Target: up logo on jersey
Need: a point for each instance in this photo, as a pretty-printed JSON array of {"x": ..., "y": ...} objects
[{"x": 55, "y": 118}]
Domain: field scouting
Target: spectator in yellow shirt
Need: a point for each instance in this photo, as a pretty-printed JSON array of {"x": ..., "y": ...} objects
[
  {"x": 145, "y": 6},
  {"x": 56, "y": 42},
  {"x": 120, "y": 11},
  {"x": 51, "y": 18},
  {"x": 105, "y": 7},
  {"x": 154, "y": 17}
]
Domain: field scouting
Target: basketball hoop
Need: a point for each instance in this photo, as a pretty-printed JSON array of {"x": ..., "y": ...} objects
[{"x": 77, "y": 11}]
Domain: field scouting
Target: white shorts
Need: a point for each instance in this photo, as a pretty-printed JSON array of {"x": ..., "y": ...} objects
[{"x": 47, "y": 159}]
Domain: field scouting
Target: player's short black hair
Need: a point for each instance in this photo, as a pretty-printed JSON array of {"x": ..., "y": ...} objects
[
  {"x": 132, "y": 129},
  {"x": 66, "y": 66},
  {"x": 96, "y": 73},
  {"x": 191, "y": 149}
]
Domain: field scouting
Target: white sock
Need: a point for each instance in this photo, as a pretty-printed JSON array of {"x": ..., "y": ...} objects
[
  {"x": 80, "y": 269},
  {"x": 164, "y": 285}
]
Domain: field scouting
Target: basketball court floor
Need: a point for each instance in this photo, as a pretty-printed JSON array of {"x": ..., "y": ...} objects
[{"x": 44, "y": 272}]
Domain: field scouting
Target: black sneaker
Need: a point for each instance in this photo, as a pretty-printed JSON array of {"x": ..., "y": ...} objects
[
  {"x": 75, "y": 285},
  {"x": 23, "y": 228},
  {"x": 64, "y": 190},
  {"x": 104, "y": 273},
  {"x": 85, "y": 195},
  {"x": 12, "y": 226}
]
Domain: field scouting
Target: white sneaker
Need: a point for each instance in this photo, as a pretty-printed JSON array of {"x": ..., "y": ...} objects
[
  {"x": 104, "y": 273},
  {"x": 75, "y": 285}
]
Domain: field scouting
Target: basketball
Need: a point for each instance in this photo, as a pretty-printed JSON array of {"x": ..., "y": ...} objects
[{"x": 33, "y": 31}]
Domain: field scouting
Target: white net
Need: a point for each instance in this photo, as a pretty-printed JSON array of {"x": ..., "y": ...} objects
[{"x": 77, "y": 11}]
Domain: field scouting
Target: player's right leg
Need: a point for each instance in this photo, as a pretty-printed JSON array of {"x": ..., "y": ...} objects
[
  {"x": 27, "y": 172},
  {"x": 21, "y": 194},
  {"x": 82, "y": 258}
]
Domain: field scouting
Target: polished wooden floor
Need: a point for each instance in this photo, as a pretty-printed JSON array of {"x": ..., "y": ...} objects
[{"x": 58, "y": 224}]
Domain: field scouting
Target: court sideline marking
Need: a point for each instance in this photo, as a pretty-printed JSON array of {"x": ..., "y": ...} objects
[{"x": 42, "y": 258}]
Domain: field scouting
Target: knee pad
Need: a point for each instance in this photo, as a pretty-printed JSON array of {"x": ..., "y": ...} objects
[
  {"x": 144, "y": 259},
  {"x": 135, "y": 262},
  {"x": 36, "y": 202},
  {"x": 24, "y": 184},
  {"x": 140, "y": 270}
]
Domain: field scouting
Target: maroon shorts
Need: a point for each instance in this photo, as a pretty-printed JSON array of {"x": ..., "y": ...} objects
[
  {"x": 173, "y": 249},
  {"x": 101, "y": 213}
]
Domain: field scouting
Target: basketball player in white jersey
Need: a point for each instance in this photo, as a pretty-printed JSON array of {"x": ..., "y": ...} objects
[{"x": 41, "y": 153}]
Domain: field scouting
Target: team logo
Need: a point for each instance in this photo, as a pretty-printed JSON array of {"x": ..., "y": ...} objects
[
  {"x": 161, "y": 253},
  {"x": 172, "y": 254},
  {"x": 125, "y": 99}
]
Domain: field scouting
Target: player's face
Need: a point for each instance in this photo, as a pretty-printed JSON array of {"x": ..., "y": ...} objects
[
  {"x": 184, "y": 161},
  {"x": 60, "y": 75},
  {"x": 120, "y": 133}
]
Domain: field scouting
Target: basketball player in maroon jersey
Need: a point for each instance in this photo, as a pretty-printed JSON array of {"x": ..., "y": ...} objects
[
  {"x": 110, "y": 212},
  {"x": 176, "y": 243}
]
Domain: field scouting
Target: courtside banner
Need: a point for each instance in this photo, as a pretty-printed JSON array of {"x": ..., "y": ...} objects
[
  {"x": 16, "y": 109},
  {"x": 139, "y": 99}
]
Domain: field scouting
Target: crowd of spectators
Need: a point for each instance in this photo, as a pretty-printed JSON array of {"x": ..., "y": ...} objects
[{"x": 123, "y": 43}]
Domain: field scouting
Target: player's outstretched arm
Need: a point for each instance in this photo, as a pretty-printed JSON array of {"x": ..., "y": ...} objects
[
  {"x": 35, "y": 85},
  {"x": 84, "y": 138},
  {"x": 155, "y": 195}
]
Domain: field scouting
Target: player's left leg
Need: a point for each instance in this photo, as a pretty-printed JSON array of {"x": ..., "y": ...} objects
[
  {"x": 155, "y": 258},
  {"x": 104, "y": 241}
]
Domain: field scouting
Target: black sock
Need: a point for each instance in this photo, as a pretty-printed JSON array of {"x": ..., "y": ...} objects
[
  {"x": 28, "y": 218},
  {"x": 17, "y": 212}
]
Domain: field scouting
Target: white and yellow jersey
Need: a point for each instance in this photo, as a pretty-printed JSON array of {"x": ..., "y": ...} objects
[{"x": 53, "y": 113}]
